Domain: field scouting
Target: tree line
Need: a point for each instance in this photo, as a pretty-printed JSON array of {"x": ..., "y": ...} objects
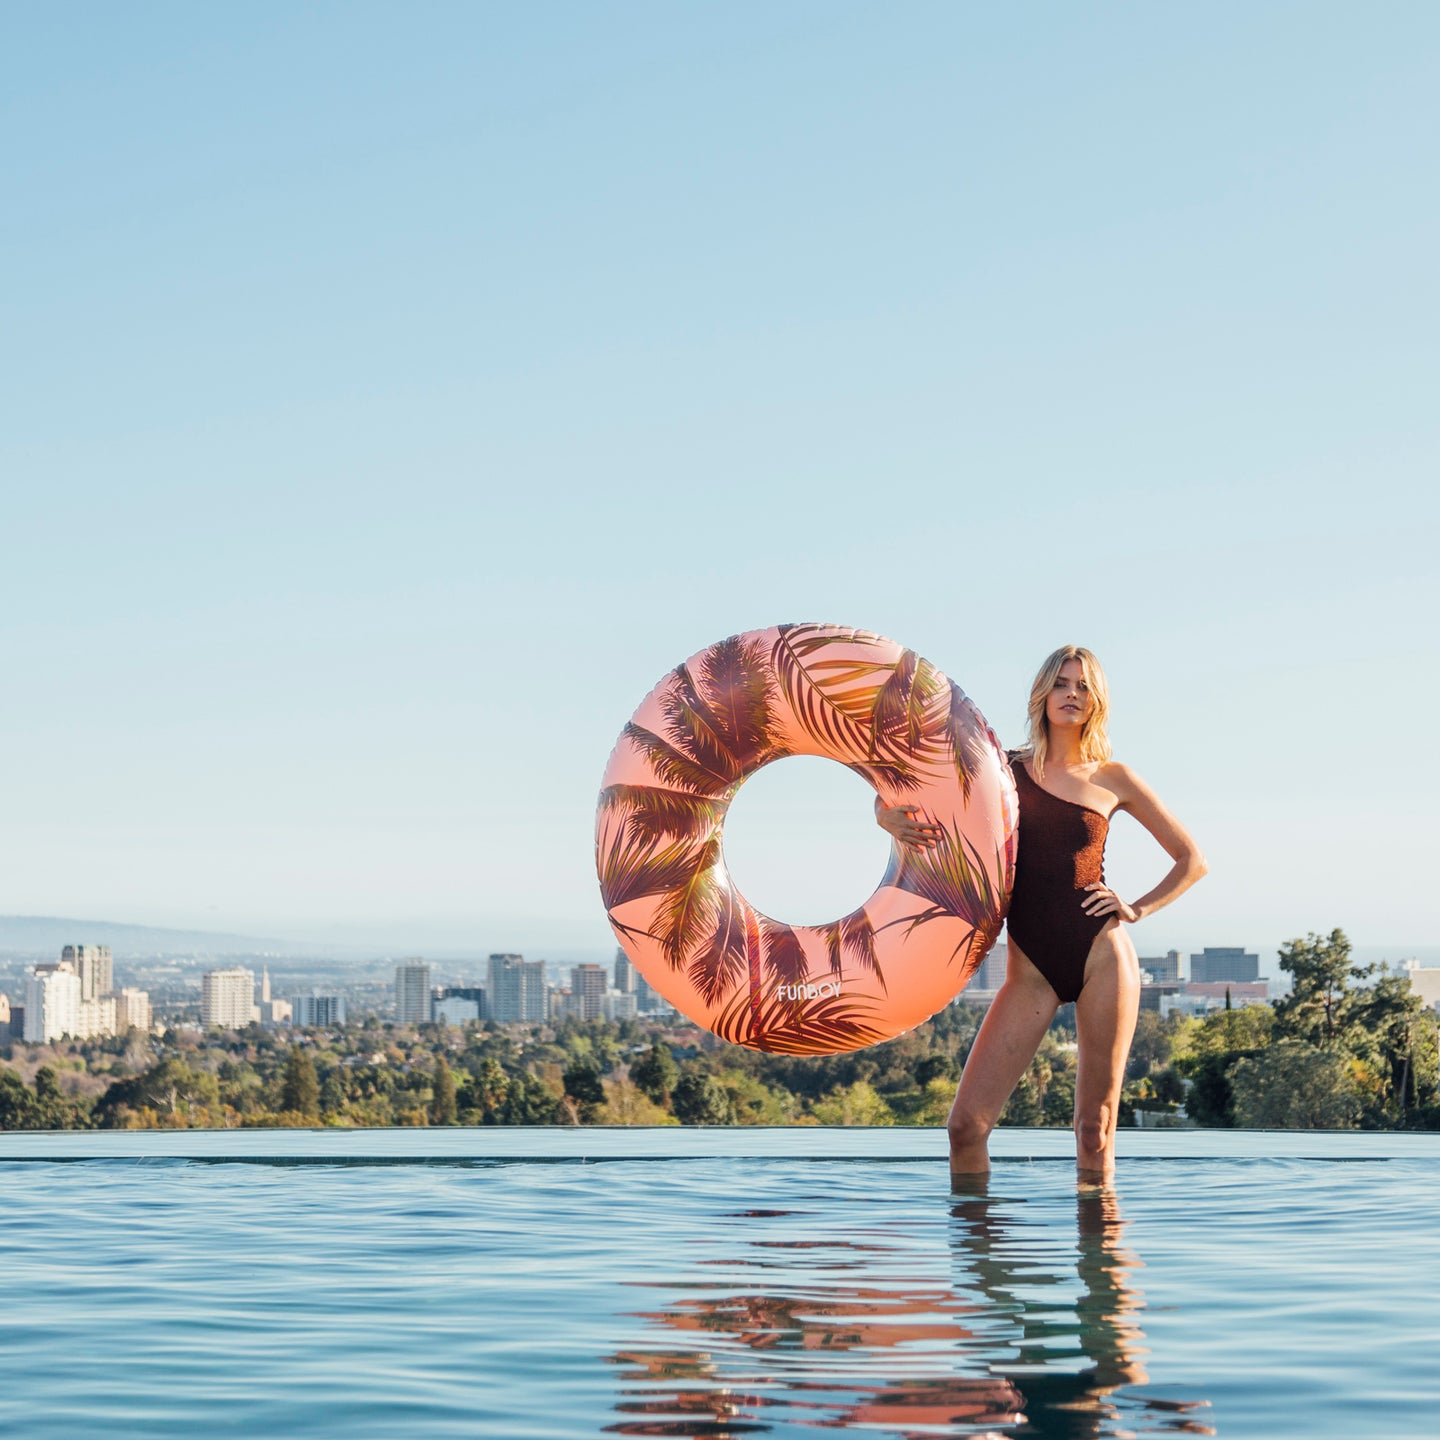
[{"x": 1349, "y": 1047}]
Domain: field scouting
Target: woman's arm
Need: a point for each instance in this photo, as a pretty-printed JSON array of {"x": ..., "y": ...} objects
[
  {"x": 1144, "y": 804},
  {"x": 900, "y": 821}
]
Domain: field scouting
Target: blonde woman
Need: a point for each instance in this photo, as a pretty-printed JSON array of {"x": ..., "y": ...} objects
[{"x": 1066, "y": 941}]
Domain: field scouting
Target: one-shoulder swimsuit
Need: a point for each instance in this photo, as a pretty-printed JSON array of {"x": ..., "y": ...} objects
[{"x": 1061, "y": 851}]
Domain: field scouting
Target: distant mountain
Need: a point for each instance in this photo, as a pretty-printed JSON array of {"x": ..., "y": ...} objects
[{"x": 46, "y": 934}]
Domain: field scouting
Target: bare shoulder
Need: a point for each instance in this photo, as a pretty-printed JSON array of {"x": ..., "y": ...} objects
[{"x": 1125, "y": 784}]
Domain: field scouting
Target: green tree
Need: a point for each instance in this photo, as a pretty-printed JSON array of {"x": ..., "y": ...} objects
[
  {"x": 1058, "y": 1106},
  {"x": 171, "y": 1089},
  {"x": 1151, "y": 1047},
  {"x": 582, "y": 1085},
  {"x": 857, "y": 1104},
  {"x": 1024, "y": 1105},
  {"x": 1320, "y": 1008},
  {"x": 656, "y": 1072},
  {"x": 933, "y": 1067},
  {"x": 700, "y": 1099},
  {"x": 442, "y": 1102},
  {"x": 300, "y": 1089},
  {"x": 529, "y": 1102},
  {"x": 46, "y": 1107},
  {"x": 488, "y": 1087},
  {"x": 1295, "y": 1086},
  {"x": 1391, "y": 1037}
]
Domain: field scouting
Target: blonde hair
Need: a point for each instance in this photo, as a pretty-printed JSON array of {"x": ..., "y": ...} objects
[{"x": 1095, "y": 737}]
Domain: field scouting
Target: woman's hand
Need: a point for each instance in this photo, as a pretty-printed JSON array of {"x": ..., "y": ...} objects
[
  {"x": 1104, "y": 901},
  {"x": 901, "y": 822}
]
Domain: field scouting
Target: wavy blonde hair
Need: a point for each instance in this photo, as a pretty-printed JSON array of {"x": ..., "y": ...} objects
[{"x": 1095, "y": 737}]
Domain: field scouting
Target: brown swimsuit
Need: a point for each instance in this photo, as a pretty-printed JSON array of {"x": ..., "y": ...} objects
[{"x": 1061, "y": 850}]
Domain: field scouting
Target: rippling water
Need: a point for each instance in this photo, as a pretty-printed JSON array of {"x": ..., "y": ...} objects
[{"x": 718, "y": 1296}]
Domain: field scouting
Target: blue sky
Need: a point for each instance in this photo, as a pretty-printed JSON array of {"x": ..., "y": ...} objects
[{"x": 393, "y": 393}]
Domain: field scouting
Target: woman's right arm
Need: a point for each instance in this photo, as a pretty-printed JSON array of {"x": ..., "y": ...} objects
[{"x": 904, "y": 824}]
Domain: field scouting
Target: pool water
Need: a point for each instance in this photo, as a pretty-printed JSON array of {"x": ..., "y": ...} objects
[{"x": 730, "y": 1284}]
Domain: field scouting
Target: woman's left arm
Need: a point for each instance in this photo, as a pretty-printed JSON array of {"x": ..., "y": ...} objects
[{"x": 1144, "y": 804}]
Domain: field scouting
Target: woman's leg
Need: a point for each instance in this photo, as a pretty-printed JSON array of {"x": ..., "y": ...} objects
[
  {"x": 1009, "y": 1036},
  {"x": 1104, "y": 1025}
]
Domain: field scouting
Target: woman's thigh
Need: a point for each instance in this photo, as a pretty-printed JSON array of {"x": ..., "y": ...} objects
[
  {"x": 1105, "y": 1017},
  {"x": 1009, "y": 1036}
]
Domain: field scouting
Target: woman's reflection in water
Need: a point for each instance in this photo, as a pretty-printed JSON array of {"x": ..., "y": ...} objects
[{"x": 1035, "y": 1359}]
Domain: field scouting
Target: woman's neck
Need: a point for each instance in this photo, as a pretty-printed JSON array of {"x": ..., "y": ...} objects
[{"x": 1064, "y": 750}]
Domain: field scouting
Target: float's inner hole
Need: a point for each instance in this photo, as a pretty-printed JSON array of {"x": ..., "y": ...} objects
[{"x": 801, "y": 841}]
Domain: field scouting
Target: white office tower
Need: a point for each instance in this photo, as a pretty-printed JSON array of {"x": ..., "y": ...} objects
[
  {"x": 132, "y": 1010},
  {"x": 97, "y": 1017},
  {"x": 318, "y": 1009},
  {"x": 587, "y": 985},
  {"x": 620, "y": 1006},
  {"x": 412, "y": 993},
  {"x": 227, "y": 998},
  {"x": 52, "y": 1002},
  {"x": 517, "y": 990},
  {"x": 95, "y": 967}
]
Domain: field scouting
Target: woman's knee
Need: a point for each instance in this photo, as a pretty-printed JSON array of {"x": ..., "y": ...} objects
[
  {"x": 1095, "y": 1126},
  {"x": 968, "y": 1127}
]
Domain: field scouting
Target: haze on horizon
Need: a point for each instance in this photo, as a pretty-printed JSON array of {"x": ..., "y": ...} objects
[{"x": 394, "y": 396}]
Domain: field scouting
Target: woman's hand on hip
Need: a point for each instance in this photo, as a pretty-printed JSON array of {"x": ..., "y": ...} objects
[
  {"x": 905, "y": 824},
  {"x": 1102, "y": 900}
]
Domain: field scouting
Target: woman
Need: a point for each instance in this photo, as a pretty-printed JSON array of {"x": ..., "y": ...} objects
[{"x": 1064, "y": 924}]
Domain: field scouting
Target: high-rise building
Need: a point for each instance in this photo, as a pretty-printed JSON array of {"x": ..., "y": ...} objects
[
  {"x": 1224, "y": 963},
  {"x": 1163, "y": 969},
  {"x": 517, "y": 990},
  {"x": 453, "y": 1009},
  {"x": 412, "y": 993},
  {"x": 624, "y": 974},
  {"x": 990, "y": 975},
  {"x": 227, "y": 998},
  {"x": 95, "y": 967},
  {"x": 619, "y": 1006},
  {"x": 52, "y": 1002},
  {"x": 474, "y": 993},
  {"x": 132, "y": 1010},
  {"x": 587, "y": 985},
  {"x": 317, "y": 1009},
  {"x": 647, "y": 998}
]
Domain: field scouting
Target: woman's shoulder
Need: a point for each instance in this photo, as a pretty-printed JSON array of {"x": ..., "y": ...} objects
[{"x": 1116, "y": 776}]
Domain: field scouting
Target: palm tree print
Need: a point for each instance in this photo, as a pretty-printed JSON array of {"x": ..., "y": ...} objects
[{"x": 712, "y": 722}]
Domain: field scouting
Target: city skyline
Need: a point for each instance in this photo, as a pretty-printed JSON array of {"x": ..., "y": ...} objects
[{"x": 376, "y": 448}]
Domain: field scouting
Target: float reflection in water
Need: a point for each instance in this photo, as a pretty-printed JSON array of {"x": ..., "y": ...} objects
[{"x": 1029, "y": 1330}]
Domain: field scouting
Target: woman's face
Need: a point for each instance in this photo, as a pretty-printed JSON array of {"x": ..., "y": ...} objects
[{"x": 1070, "y": 702}]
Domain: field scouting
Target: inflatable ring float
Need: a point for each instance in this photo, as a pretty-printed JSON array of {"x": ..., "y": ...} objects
[{"x": 748, "y": 701}]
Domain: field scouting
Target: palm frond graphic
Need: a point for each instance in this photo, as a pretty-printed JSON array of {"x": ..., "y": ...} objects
[
  {"x": 690, "y": 910},
  {"x": 971, "y": 740},
  {"x": 653, "y": 813},
  {"x": 894, "y": 715},
  {"x": 853, "y": 936},
  {"x": 716, "y": 721},
  {"x": 633, "y": 869},
  {"x": 807, "y": 1027},
  {"x": 718, "y": 965},
  {"x": 956, "y": 887}
]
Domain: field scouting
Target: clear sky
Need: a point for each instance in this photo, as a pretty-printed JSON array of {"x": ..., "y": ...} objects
[{"x": 392, "y": 393}]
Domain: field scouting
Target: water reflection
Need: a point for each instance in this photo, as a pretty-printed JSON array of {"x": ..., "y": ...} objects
[{"x": 1020, "y": 1325}]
